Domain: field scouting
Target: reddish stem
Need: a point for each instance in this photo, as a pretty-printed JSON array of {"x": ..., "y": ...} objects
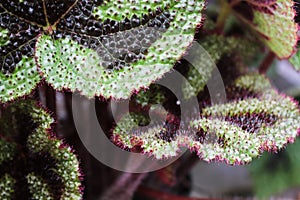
[
  {"x": 234, "y": 2},
  {"x": 36, "y": 94},
  {"x": 155, "y": 194},
  {"x": 223, "y": 15},
  {"x": 68, "y": 105},
  {"x": 51, "y": 99},
  {"x": 124, "y": 187},
  {"x": 186, "y": 165},
  {"x": 1, "y": 109},
  {"x": 50, "y": 94},
  {"x": 266, "y": 63}
]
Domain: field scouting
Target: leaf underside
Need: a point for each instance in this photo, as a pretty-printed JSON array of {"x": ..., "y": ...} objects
[
  {"x": 34, "y": 164},
  {"x": 108, "y": 49},
  {"x": 273, "y": 21},
  {"x": 234, "y": 132}
]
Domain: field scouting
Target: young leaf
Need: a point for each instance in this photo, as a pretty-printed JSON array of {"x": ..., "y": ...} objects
[
  {"x": 234, "y": 132},
  {"x": 273, "y": 21},
  {"x": 158, "y": 140},
  {"x": 251, "y": 122},
  {"x": 34, "y": 164},
  {"x": 255, "y": 124},
  {"x": 153, "y": 95},
  {"x": 216, "y": 46}
]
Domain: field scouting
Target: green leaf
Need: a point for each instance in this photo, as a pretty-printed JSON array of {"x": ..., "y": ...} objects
[
  {"x": 49, "y": 166},
  {"x": 114, "y": 63},
  {"x": 153, "y": 95},
  {"x": 20, "y": 82},
  {"x": 18, "y": 71},
  {"x": 36, "y": 183},
  {"x": 234, "y": 132},
  {"x": 7, "y": 184},
  {"x": 216, "y": 46},
  {"x": 129, "y": 135},
  {"x": 274, "y": 23},
  {"x": 253, "y": 82},
  {"x": 295, "y": 61},
  {"x": 268, "y": 122},
  {"x": 108, "y": 49}
]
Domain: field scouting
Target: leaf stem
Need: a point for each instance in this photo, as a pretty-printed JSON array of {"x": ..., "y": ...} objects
[
  {"x": 224, "y": 12},
  {"x": 266, "y": 63},
  {"x": 186, "y": 165},
  {"x": 155, "y": 194},
  {"x": 1, "y": 109},
  {"x": 234, "y": 2},
  {"x": 51, "y": 100},
  {"x": 36, "y": 94},
  {"x": 124, "y": 187}
]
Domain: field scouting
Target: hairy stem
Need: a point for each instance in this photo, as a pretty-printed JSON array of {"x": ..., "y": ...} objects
[
  {"x": 234, "y": 2},
  {"x": 186, "y": 165},
  {"x": 155, "y": 194},
  {"x": 266, "y": 63},
  {"x": 68, "y": 105},
  {"x": 1, "y": 109},
  {"x": 224, "y": 12},
  {"x": 50, "y": 94},
  {"x": 124, "y": 187},
  {"x": 36, "y": 94}
]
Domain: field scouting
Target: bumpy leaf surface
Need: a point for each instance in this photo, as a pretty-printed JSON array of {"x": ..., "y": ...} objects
[
  {"x": 216, "y": 47},
  {"x": 102, "y": 48},
  {"x": 18, "y": 72},
  {"x": 273, "y": 20},
  {"x": 34, "y": 164},
  {"x": 234, "y": 132}
]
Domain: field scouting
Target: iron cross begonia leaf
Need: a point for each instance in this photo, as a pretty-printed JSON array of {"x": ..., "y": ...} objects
[
  {"x": 102, "y": 48},
  {"x": 234, "y": 132},
  {"x": 34, "y": 163},
  {"x": 18, "y": 71}
]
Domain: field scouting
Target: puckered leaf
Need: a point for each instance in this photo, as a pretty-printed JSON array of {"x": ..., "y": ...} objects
[
  {"x": 18, "y": 72},
  {"x": 157, "y": 140},
  {"x": 7, "y": 186},
  {"x": 216, "y": 46},
  {"x": 102, "y": 48},
  {"x": 234, "y": 132},
  {"x": 240, "y": 130},
  {"x": 125, "y": 46},
  {"x": 256, "y": 124},
  {"x": 34, "y": 164},
  {"x": 154, "y": 95},
  {"x": 273, "y": 21}
]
